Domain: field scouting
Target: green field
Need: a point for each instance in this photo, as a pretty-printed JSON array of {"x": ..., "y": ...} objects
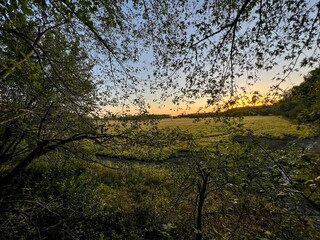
[
  {"x": 210, "y": 131},
  {"x": 138, "y": 191}
]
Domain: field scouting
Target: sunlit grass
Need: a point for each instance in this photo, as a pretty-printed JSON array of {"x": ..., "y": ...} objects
[
  {"x": 208, "y": 131},
  {"x": 275, "y": 126}
]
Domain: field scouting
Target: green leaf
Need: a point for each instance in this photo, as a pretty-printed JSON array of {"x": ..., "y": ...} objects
[{"x": 24, "y": 7}]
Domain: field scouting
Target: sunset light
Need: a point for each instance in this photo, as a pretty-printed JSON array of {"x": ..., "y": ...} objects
[{"x": 159, "y": 119}]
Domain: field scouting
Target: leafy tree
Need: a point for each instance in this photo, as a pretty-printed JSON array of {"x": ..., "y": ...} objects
[
  {"x": 301, "y": 103},
  {"x": 215, "y": 43},
  {"x": 41, "y": 106},
  {"x": 49, "y": 94},
  {"x": 306, "y": 96},
  {"x": 249, "y": 192},
  {"x": 50, "y": 91},
  {"x": 210, "y": 42}
]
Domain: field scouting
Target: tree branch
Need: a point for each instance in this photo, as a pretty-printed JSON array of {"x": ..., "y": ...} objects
[
  {"x": 47, "y": 146},
  {"x": 229, "y": 25},
  {"x": 43, "y": 119},
  {"x": 23, "y": 57}
]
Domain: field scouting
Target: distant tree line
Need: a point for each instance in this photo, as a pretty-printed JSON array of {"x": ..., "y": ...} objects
[
  {"x": 241, "y": 111},
  {"x": 144, "y": 117}
]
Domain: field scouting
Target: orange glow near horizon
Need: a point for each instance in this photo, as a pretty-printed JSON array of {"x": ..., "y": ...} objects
[
  {"x": 249, "y": 100},
  {"x": 259, "y": 90},
  {"x": 256, "y": 96}
]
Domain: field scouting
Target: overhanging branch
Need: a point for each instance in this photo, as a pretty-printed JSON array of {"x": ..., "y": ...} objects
[
  {"x": 229, "y": 25},
  {"x": 47, "y": 146}
]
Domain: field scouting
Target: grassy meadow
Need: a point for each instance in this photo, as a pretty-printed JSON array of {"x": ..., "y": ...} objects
[
  {"x": 235, "y": 193},
  {"x": 209, "y": 132},
  {"x": 214, "y": 130}
]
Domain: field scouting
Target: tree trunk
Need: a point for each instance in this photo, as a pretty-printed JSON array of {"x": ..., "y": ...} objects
[{"x": 202, "y": 197}]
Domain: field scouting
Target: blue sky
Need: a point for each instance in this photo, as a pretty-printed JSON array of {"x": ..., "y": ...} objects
[{"x": 263, "y": 86}]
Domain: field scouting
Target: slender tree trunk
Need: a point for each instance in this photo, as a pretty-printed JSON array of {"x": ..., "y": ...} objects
[{"x": 202, "y": 197}]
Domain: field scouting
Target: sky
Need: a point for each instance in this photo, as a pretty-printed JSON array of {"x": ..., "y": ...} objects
[
  {"x": 263, "y": 87},
  {"x": 167, "y": 107}
]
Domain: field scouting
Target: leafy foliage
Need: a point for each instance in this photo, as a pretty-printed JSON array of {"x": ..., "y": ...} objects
[
  {"x": 251, "y": 193},
  {"x": 49, "y": 93},
  {"x": 215, "y": 43},
  {"x": 69, "y": 199},
  {"x": 304, "y": 99},
  {"x": 55, "y": 56}
]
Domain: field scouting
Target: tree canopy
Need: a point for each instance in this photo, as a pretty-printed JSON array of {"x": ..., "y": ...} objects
[
  {"x": 65, "y": 63},
  {"x": 49, "y": 93},
  {"x": 214, "y": 43},
  {"x": 61, "y": 61},
  {"x": 302, "y": 101},
  {"x": 199, "y": 49}
]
